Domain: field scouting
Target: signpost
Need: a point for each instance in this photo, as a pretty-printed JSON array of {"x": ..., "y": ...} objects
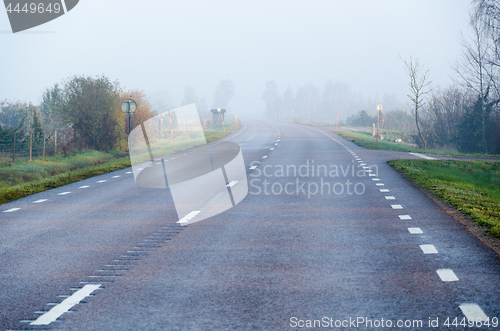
[
  {"x": 129, "y": 107},
  {"x": 379, "y": 108}
]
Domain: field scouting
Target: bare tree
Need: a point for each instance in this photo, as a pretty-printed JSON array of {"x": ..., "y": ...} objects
[
  {"x": 477, "y": 71},
  {"x": 419, "y": 87}
]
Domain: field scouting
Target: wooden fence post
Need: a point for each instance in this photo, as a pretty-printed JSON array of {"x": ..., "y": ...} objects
[{"x": 14, "y": 153}]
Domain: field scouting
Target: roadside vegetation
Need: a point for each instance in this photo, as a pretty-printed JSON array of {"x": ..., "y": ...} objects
[
  {"x": 20, "y": 179},
  {"x": 463, "y": 116},
  {"x": 78, "y": 130},
  {"x": 472, "y": 187},
  {"x": 386, "y": 142}
]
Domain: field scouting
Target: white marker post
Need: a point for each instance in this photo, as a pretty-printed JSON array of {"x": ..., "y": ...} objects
[{"x": 379, "y": 108}]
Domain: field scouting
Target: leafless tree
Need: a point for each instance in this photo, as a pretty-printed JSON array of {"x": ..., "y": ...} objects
[
  {"x": 477, "y": 71},
  {"x": 419, "y": 87}
]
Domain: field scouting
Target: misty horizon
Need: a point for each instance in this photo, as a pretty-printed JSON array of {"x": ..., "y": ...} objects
[{"x": 197, "y": 45}]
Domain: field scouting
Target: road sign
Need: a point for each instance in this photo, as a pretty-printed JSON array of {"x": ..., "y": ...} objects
[{"x": 129, "y": 106}]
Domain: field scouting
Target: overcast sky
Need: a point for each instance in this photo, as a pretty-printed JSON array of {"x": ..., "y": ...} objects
[{"x": 158, "y": 45}]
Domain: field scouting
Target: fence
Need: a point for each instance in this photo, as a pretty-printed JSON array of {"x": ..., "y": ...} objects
[{"x": 22, "y": 147}]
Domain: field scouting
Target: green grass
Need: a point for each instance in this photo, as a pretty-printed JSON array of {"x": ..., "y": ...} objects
[
  {"x": 365, "y": 139},
  {"x": 472, "y": 187},
  {"x": 20, "y": 179}
]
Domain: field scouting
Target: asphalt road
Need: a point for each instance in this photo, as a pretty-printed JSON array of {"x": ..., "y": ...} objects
[{"x": 300, "y": 247}]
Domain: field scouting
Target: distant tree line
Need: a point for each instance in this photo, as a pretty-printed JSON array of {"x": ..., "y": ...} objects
[
  {"x": 310, "y": 102},
  {"x": 83, "y": 112},
  {"x": 464, "y": 116}
]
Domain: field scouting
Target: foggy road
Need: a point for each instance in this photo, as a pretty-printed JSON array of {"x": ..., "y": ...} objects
[{"x": 328, "y": 232}]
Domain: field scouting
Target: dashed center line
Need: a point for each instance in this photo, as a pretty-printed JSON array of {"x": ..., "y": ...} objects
[
  {"x": 68, "y": 303},
  {"x": 447, "y": 275},
  {"x": 415, "y": 230},
  {"x": 40, "y": 201},
  {"x": 232, "y": 183},
  {"x": 189, "y": 216},
  {"x": 11, "y": 210},
  {"x": 428, "y": 249}
]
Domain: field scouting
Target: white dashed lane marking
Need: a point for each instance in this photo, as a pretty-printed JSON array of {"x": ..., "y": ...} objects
[
  {"x": 11, "y": 210},
  {"x": 376, "y": 179},
  {"x": 264, "y": 157},
  {"x": 428, "y": 249},
  {"x": 68, "y": 303},
  {"x": 415, "y": 230},
  {"x": 85, "y": 186},
  {"x": 404, "y": 217},
  {"x": 380, "y": 184},
  {"x": 389, "y": 197},
  {"x": 119, "y": 176},
  {"x": 40, "y": 201},
  {"x": 271, "y": 149},
  {"x": 472, "y": 311},
  {"x": 232, "y": 183},
  {"x": 253, "y": 167},
  {"x": 64, "y": 193},
  {"x": 384, "y": 190},
  {"x": 397, "y": 207},
  {"x": 447, "y": 275},
  {"x": 189, "y": 216},
  {"x": 128, "y": 172},
  {"x": 101, "y": 181}
]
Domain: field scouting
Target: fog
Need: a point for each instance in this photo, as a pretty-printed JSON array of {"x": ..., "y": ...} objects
[{"x": 164, "y": 47}]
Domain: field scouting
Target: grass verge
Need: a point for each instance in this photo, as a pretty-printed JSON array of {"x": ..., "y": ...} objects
[
  {"x": 365, "y": 139},
  {"x": 21, "y": 179},
  {"x": 472, "y": 187}
]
